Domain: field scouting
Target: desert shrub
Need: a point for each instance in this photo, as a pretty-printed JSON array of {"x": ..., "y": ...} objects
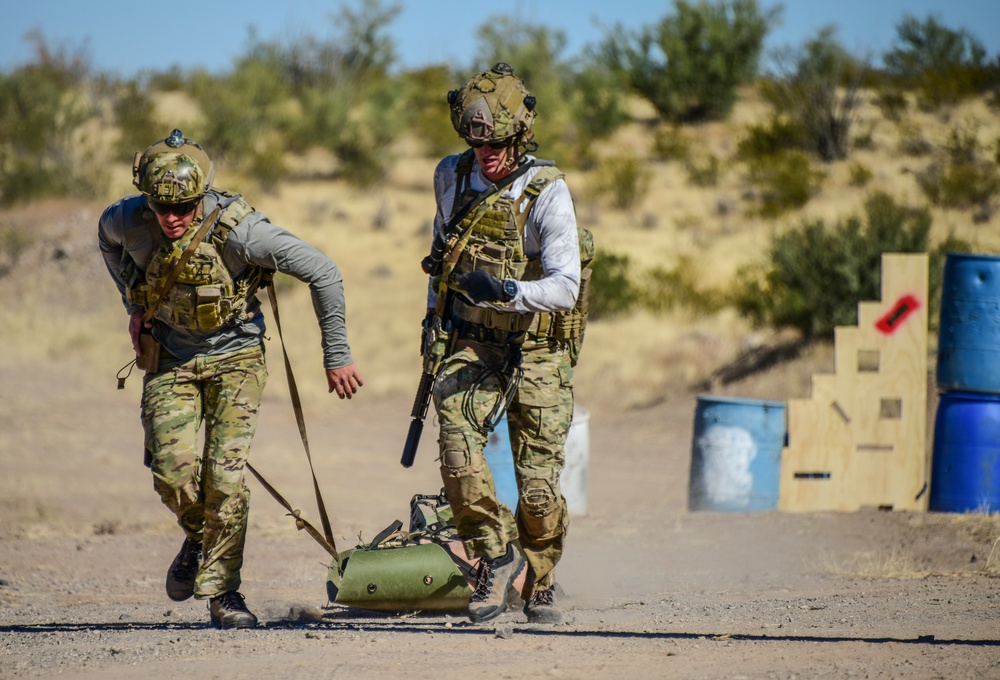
[
  {"x": 944, "y": 65},
  {"x": 892, "y": 103},
  {"x": 960, "y": 177},
  {"x": 598, "y": 102},
  {"x": 817, "y": 88},
  {"x": 690, "y": 64},
  {"x": 246, "y": 106},
  {"x": 678, "y": 288},
  {"x": 703, "y": 171},
  {"x": 612, "y": 291},
  {"x": 43, "y": 105},
  {"x": 912, "y": 141},
  {"x": 783, "y": 182},
  {"x": 625, "y": 179},
  {"x": 814, "y": 277},
  {"x": 14, "y": 240},
  {"x": 134, "y": 116},
  {"x": 671, "y": 143},
  {"x": 776, "y": 136},
  {"x": 427, "y": 104},
  {"x": 859, "y": 174}
]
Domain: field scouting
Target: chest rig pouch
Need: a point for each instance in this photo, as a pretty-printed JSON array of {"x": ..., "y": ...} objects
[{"x": 205, "y": 296}]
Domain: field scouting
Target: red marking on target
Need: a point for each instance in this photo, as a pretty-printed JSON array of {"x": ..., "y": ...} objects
[{"x": 895, "y": 317}]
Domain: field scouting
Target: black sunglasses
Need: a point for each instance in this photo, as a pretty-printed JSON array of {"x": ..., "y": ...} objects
[
  {"x": 496, "y": 146},
  {"x": 179, "y": 209}
]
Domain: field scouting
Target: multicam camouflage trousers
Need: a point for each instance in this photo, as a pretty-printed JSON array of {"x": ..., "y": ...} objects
[
  {"x": 206, "y": 489},
  {"x": 539, "y": 417}
]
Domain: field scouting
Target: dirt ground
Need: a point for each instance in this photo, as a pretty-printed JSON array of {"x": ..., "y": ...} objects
[{"x": 651, "y": 590}]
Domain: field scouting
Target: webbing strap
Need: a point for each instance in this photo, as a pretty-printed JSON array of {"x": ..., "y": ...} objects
[
  {"x": 300, "y": 523},
  {"x": 326, "y": 538}
]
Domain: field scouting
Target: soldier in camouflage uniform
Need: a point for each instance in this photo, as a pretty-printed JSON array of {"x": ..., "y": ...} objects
[
  {"x": 208, "y": 365},
  {"x": 514, "y": 265}
]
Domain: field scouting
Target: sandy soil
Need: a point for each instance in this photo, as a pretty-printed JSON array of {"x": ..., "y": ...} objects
[{"x": 651, "y": 589}]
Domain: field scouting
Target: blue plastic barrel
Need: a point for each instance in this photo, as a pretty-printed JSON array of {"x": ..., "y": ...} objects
[
  {"x": 965, "y": 473},
  {"x": 969, "y": 333},
  {"x": 501, "y": 462},
  {"x": 736, "y": 454}
]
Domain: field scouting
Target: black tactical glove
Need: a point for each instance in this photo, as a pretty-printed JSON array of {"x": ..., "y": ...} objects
[{"x": 481, "y": 287}]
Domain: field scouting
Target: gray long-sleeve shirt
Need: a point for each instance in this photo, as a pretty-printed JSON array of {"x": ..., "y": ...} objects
[
  {"x": 550, "y": 233},
  {"x": 126, "y": 229}
]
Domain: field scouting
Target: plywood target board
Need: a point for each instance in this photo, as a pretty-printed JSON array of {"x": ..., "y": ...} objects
[{"x": 860, "y": 439}]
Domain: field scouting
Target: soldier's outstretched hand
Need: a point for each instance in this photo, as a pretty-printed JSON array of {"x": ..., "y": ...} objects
[{"x": 345, "y": 381}]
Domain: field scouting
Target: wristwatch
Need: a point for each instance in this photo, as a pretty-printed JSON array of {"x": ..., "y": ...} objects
[{"x": 509, "y": 289}]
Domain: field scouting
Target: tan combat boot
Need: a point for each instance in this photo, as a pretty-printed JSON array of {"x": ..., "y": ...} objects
[
  {"x": 493, "y": 581},
  {"x": 229, "y": 611},
  {"x": 541, "y": 607}
]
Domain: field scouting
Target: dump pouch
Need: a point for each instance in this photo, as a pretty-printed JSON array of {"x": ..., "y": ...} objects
[{"x": 149, "y": 353}]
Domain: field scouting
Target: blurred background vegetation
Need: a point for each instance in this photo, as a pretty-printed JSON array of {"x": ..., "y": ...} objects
[{"x": 62, "y": 124}]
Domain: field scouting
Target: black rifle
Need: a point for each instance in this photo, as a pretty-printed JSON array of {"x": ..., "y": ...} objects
[
  {"x": 437, "y": 342},
  {"x": 438, "y": 332}
]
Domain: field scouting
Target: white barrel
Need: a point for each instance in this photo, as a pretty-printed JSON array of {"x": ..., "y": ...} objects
[{"x": 574, "y": 476}]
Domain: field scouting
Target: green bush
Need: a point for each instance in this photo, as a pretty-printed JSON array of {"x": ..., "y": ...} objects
[
  {"x": 678, "y": 288},
  {"x": 814, "y": 277},
  {"x": 704, "y": 171},
  {"x": 944, "y": 65},
  {"x": 817, "y": 88},
  {"x": 860, "y": 174},
  {"x": 427, "y": 106},
  {"x": 671, "y": 143},
  {"x": 960, "y": 177},
  {"x": 14, "y": 240},
  {"x": 134, "y": 116},
  {"x": 625, "y": 179},
  {"x": 612, "y": 291},
  {"x": 43, "y": 105},
  {"x": 777, "y": 136},
  {"x": 783, "y": 182},
  {"x": 690, "y": 64},
  {"x": 892, "y": 103}
]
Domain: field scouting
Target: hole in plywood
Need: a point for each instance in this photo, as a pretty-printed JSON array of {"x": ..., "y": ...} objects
[
  {"x": 891, "y": 409},
  {"x": 868, "y": 361}
]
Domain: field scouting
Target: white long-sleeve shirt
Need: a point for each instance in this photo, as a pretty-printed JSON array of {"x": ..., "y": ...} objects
[{"x": 550, "y": 232}]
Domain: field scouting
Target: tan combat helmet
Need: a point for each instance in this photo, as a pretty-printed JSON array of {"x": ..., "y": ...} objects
[
  {"x": 493, "y": 106},
  {"x": 173, "y": 170}
]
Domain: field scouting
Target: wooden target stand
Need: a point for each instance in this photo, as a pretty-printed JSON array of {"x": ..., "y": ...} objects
[{"x": 860, "y": 439}]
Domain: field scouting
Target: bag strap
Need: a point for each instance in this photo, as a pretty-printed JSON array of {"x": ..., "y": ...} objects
[{"x": 167, "y": 283}]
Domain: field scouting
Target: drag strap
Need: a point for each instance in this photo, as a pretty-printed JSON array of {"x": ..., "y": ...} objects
[
  {"x": 327, "y": 538},
  {"x": 300, "y": 523}
]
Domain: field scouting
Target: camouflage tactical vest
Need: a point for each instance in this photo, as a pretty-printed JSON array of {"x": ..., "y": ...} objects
[
  {"x": 495, "y": 244},
  {"x": 205, "y": 296}
]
